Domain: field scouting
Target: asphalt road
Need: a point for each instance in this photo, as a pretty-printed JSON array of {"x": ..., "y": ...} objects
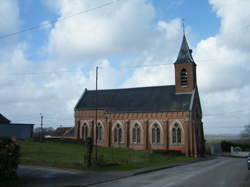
[
  {"x": 51, "y": 177},
  {"x": 222, "y": 172}
]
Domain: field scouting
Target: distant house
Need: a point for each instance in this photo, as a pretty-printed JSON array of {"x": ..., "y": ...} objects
[
  {"x": 62, "y": 133},
  {"x": 18, "y": 130},
  {"x": 69, "y": 134}
]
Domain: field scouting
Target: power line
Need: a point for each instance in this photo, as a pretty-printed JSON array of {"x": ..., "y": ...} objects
[
  {"x": 78, "y": 70},
  {"x": 38, "y": 26},
  {"x": 227, "y": 113},
  {"x": 40, "y": 73}
]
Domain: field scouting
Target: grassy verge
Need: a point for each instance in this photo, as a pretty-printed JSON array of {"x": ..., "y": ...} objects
[{"x": 70, "y": 156}]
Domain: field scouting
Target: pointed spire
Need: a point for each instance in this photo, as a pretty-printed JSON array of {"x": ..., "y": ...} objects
[{"x": 185, "y": 54}]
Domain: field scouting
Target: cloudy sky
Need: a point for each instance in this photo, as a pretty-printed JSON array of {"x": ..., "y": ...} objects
[{"x": 135, "y": 42}]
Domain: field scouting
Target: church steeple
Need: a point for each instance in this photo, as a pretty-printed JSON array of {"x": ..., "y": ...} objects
[
  {"x": 185, "y": 54},
  {"x": 185, "y": 69}
]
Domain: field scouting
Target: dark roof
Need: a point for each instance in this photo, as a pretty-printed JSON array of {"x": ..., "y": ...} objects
[
  {"x": 23, "y": 124},
  {"x": 144, "y": 99},
  {"x": 185, "y": 54},
  {"x": 3, "y": 120},
  {"x": 69, "y": 132},
  {"x": 61, "y": 130}
]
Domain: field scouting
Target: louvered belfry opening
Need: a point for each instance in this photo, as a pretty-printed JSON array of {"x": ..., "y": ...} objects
[{"x": 184, "y": 78}]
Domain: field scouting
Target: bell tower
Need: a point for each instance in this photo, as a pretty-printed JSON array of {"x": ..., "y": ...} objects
[{"x": 185, "y": 69}]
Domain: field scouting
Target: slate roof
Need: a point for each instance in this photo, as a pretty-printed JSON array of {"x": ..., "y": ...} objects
[
  {"x": 144, "y": 99},
  {"x": 3, "y": 120},
  {"x": 185, "y": 54}
]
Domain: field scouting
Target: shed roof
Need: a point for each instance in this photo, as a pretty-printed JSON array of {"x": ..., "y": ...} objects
[
  {"x": 3, "y": 119},
  {"x": 143, "y": 99},
  {"x": 69, "y": 133},
  {"x": 20, "y": 131},
  {"x": 61, "y": 130}
]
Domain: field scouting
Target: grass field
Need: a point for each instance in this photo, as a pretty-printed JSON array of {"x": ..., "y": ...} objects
[{"x": 65, "y": 155}]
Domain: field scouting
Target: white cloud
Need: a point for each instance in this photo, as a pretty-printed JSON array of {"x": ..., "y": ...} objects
[
  {"x": 223, "y": 68},
  {"x": 160, "y": 56},
  {"x": 31, "y": 88},
  {"x": 235, "y": 24},
  {"x": 117, "y": 29},
  {"x": 9, "y": 16},
  {"x": 219, "y": 67}
]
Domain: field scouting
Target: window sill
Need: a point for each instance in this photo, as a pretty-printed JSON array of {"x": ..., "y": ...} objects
[
  {"x": 157, "y": 144},
  {"x": 177, "y": 144}
]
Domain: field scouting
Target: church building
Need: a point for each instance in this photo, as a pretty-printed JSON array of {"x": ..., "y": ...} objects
[{"x": 146, "y": 118}]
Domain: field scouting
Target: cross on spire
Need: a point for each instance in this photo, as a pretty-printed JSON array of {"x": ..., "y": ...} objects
[{"x": 183, "y": 26}]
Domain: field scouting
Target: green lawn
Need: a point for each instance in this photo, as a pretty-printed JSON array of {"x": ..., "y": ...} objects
[{"x": 65, "y": 155}]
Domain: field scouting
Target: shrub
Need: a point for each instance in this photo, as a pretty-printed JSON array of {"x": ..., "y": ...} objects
[
  {"x": 9, "y": 158},
  {"x": 226, "y": 146}
]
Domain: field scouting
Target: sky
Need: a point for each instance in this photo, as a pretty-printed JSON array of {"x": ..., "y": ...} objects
[{"x": 45, "y": 70}]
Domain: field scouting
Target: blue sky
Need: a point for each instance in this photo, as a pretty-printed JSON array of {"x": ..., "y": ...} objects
[
  {"x": 197, "y": 14},
  {"x": 62, "y": 56}
]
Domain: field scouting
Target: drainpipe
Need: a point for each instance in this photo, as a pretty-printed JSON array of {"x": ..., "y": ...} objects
[
  {"x": 167, "y": 134},
  {"x": 128, "y": 134},
  {"x": 190, "y": 136}
]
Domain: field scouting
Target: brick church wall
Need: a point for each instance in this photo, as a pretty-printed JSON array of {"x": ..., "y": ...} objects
[{"x": 166, "y": 121}]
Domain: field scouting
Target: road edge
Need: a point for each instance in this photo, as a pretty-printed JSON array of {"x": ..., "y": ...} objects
[{"x": 146, "y": 170}]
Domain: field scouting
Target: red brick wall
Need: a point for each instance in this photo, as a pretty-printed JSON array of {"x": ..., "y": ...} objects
[{"x": 145, "y": 120}]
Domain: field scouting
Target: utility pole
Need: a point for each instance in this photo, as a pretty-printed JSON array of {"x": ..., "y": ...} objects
[
  {"x": 96, "y": 108},
  {"x": 41, "y": 127}
]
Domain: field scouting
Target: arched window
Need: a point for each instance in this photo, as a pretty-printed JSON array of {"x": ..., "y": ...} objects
[
  {"x": 84, "y": 131},
  {"x": 184, "y": 78},
  {"x": 118, "y": 134},
  {"x": 136, "y": 134},
  {"x": 156, "y": 134},
  {"x": 99, "y": 132},
  {"x": 176, "y": 134}
]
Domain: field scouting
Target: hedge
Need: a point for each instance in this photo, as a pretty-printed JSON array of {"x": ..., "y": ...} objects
[
  {"x": 9, "y": 158},
  {"x": 226, "y": 146}
]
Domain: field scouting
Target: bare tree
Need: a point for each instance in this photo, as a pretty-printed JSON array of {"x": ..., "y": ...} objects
[
  {"x": 44, "y": 131},
  {"x": 246, "y": 132}
]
